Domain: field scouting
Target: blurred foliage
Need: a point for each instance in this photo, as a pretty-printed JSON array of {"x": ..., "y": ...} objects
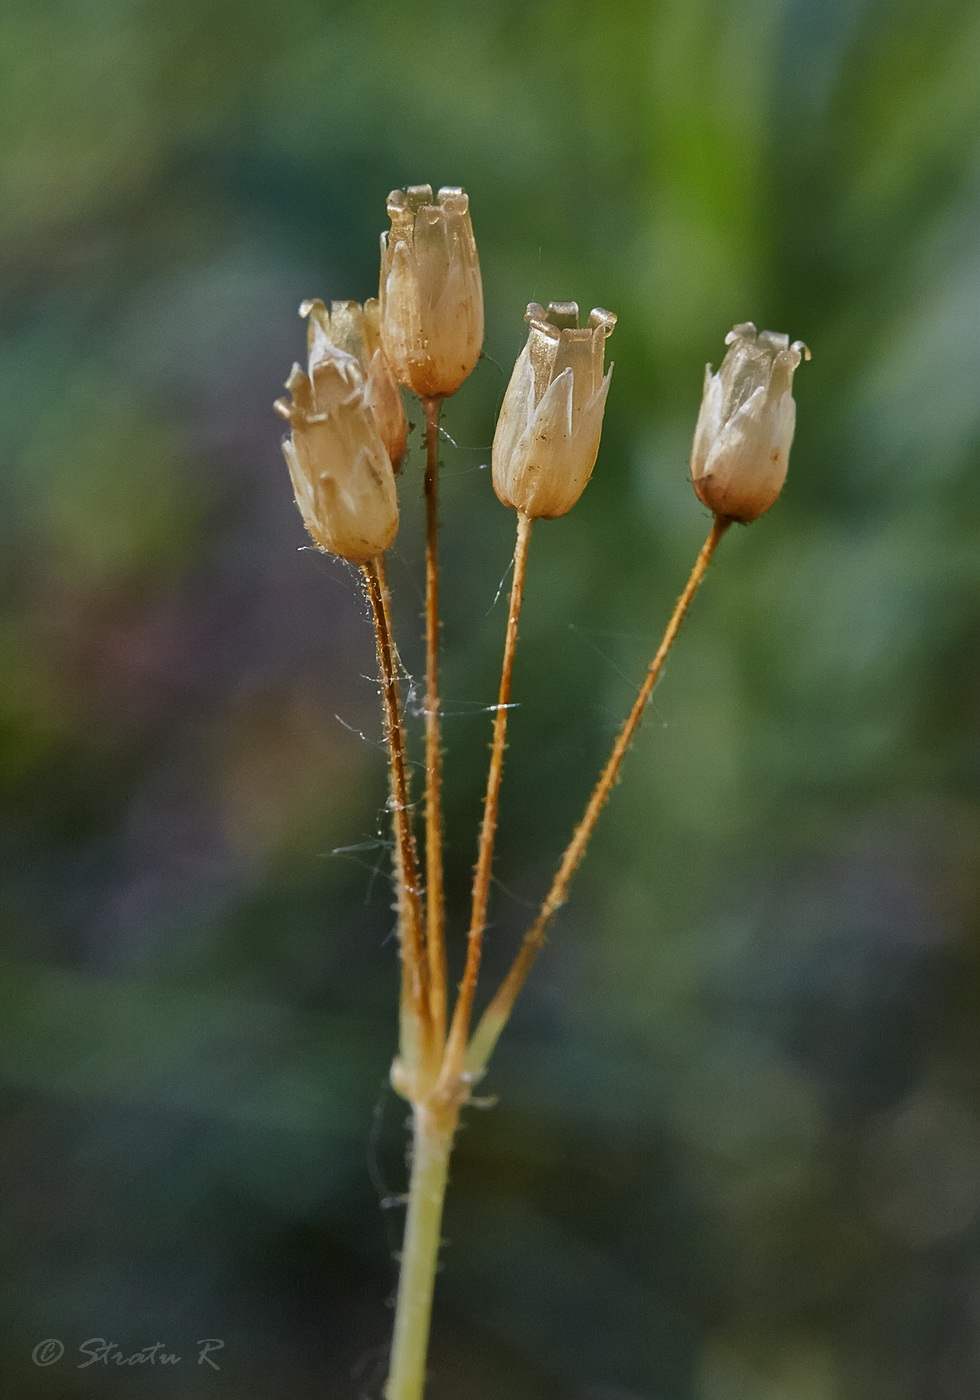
[{"x": 737, "y": 1149}]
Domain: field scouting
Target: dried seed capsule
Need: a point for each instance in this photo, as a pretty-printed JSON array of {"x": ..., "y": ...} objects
[
  {"x": 341, "y": 473},
  {"x": 547, "y": 435},
  {"x": 745, "y": 426},
  {"x": 357, "y": 329},
  {"x": 431, "y": 293}
]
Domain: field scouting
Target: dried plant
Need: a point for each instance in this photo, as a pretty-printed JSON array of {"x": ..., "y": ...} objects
[{"x": 347, "y": 440}]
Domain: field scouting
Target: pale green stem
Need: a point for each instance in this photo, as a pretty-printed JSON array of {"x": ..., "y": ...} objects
[{"x": 431, "y": 1145}]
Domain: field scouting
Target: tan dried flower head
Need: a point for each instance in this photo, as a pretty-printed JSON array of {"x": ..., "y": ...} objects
[
  {"x": 341, "y": 473},
  {"x": 745, "y": 426},
  {"x": 431, "y": 293},
  {"x": 356, "y": 329},
  {"x": 547, "y": 436}
]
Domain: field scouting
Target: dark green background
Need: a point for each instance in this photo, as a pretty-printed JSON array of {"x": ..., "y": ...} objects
[{"x": 737, "y": 1150}]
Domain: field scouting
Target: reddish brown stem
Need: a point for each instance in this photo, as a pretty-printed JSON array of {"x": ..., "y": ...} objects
[
  {"x": 416, "y": 1031},
  {"x": 459, "y": 1031},
  {"x": 435, "y": 898},
  {"x": 495, "y": 1017}
]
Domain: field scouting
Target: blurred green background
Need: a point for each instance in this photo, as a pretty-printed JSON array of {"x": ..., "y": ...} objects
[{"x": 737, "y": 1150}]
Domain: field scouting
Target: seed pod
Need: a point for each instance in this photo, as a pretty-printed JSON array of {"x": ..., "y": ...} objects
[
  {"x": 341, "y": 473},
  {"x": 745, "y": 426},
  {"x": 431, "y": 293},
  {"x": 547, "y": 436},
  {"x": 357, "y": 329}
]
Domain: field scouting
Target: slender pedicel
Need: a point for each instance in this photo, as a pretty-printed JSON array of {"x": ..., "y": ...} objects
[
  {"x": 456, "y": 1045},
  {"x": 416, "y": 1020},
  {"x": 435, "y": 898},
  {"x": 495, "y": 1017}
]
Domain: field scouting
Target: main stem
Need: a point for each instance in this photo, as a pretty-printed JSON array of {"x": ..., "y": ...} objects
[
  {"x": 435, "y": 901},
  {"x": 459, "y": 1031},
  {"x": 431, "y": 1145},
  {"x": 495, "y": 1017},
  {"x": 435, "y": 1121},
  {"x": 415, "y": 1009}
]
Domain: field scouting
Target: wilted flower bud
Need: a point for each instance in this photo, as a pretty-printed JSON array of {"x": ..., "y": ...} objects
[
  {"x": 357, "y": 329},
  {"x": 745, "y": 427},
  {"x": 341, "y": 473},
  {"x": 547, "y": 435},
  {"x": 431, "y": 293}
]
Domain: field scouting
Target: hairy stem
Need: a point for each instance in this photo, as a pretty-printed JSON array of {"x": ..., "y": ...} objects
[
  {"x": 459, "y": 1031},
  {"x": 416, "y": 1023},
  {"x": 496, "y": 1015},
  {"x": 435, "y": 900},
  {"x": 431, "y": 1145}
]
